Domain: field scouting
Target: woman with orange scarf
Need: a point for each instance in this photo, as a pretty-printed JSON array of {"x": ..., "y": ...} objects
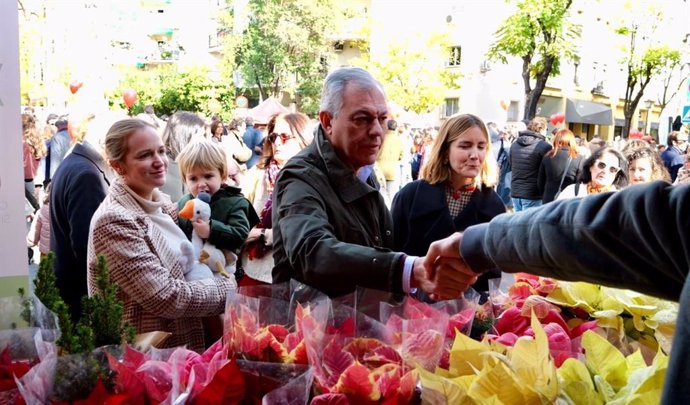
[{"x": 606, "y": 170}]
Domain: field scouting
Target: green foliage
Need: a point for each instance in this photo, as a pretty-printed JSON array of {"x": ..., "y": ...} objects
[
  {"x": 103, "y": 311},
  {"x": 79, "y": 367},
  {"x": 169, "y": 90},
  {"x": 645, "y": 59},
  {"x": 413, "y": 73},
  {"x": 44, "y": 285},
  {"x": 541, "y": 35},
  {"x": 282, "y": 47},
  {"x": 101, "y": 323}
]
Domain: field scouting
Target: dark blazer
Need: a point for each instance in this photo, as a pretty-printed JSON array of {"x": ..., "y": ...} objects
[
  {"x": 551, "y": 172},
  {"x": 78, "y": 188},
  {"x": 421, "y": 216}
]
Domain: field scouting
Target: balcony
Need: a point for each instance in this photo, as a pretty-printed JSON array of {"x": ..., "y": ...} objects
[
  {"x": 215, "y": 41},
  {"x": 163, "y": 56}
]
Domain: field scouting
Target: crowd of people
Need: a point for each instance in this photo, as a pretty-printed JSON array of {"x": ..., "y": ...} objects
[{"x": 351, "y": 199}]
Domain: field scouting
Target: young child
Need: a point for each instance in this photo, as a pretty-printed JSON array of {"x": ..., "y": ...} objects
[
  {"x": 204, "y": 167},
  {"x": 39, "y": 234}
]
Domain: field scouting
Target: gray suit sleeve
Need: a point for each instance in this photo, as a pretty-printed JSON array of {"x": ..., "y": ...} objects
[{"x": 637, "y": 238}]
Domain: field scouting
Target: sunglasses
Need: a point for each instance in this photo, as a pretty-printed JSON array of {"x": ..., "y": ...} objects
[
  {"x": 602, "y": 166},
  {"x": 283, "y": 137}
]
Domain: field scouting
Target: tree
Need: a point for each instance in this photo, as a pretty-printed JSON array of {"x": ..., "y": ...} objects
[
  {"x": 169, "y": 90},
  {"x": 283, "y": 45},
  {"x": 413, "y": 71},
  {"x": 669, "y": 74},
  {"x": 644, "y": 59},
  {"x": 541, "y": 35},
  {"x": 29, "y": 40}
]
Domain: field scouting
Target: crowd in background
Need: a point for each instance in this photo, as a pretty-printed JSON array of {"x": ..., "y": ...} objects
[
  {"x": 420, "y": 178},
  {"x": 563, "y": 159}
]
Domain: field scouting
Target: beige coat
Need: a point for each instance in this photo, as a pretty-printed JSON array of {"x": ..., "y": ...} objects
[
  {"x": 390, "y": 156},
  {"x": 155, "y": 294}
]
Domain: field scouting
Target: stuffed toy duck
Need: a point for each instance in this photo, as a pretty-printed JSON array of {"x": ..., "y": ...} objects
[{"x": 204, "y": 257}]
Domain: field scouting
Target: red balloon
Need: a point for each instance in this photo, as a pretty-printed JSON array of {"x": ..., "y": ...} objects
[
  {"x": 130, "y": 97},
  {"x": 553, "y": 119},
  {"x": 560, "y": 117},
  {"x": 75, "y": 86}
]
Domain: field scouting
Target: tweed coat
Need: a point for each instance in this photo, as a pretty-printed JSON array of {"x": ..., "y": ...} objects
[{"x": 151, "y": 283}]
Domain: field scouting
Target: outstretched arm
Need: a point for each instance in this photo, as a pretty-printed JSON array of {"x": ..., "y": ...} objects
[{"x": 637, "y": 238}]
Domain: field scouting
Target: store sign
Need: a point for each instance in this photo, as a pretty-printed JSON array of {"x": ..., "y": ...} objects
[
  {"x": 13, "y": 250},
  {"x": 685, "y": 118}
]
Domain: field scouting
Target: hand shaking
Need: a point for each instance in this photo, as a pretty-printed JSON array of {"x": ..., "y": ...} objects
[{"x": 442, "y": 273}]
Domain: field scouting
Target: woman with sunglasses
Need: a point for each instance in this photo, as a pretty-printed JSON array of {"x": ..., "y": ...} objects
[
  {"x": 606, "y": 170},
  {"x": 287, "y": 135}
]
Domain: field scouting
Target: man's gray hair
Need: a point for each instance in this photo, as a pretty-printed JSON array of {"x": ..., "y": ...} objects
[{"x": 334, "y": 86}]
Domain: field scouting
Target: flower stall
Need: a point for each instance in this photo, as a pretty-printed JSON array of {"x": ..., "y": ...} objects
[{"x": 534, "y": 341}]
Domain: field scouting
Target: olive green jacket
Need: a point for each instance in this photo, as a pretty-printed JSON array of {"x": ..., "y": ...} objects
[
  {"x": 232, "y": 216},
  {"x": 331, "y": 230}
]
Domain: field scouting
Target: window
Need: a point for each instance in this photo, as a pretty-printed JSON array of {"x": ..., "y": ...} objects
[
  {"x": 452, "y": 106},
  {"x": 454, "y": 56}
]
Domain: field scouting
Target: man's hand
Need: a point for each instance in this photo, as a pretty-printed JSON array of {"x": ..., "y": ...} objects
[
  {"x": 451, "y": 277},
  {"x": 442, "y": 273},
  {"x": 448, "y": 247},
  {"x": 202, "y": 228}
]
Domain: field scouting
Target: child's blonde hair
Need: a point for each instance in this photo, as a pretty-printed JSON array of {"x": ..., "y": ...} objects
[{"x": 202, "y": 154}]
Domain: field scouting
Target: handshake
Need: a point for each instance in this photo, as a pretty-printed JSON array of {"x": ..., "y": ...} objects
[{"x": 442, "y": 273}]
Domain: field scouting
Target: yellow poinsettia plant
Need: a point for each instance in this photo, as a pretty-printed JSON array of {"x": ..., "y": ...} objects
[
  {"x": 487, "y": 372},
  {"x": 647, "y": 320},
  {"x": 490, "y": 373},
  {"x": 609, "y": 377}
]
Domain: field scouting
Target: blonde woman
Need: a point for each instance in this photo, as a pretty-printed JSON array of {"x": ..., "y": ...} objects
[
  {"x": 135, "y": 229},
  {"x": 455, "y": 190}
]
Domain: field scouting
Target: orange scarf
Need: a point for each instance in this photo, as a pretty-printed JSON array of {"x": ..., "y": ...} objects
[{"x": 592, "y": 189}]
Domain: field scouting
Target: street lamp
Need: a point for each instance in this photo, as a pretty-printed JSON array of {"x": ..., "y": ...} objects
[{"x": 648, "y": 104}]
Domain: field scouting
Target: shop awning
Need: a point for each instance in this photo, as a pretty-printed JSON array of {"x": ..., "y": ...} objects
[{"x": 588, "y": 112}]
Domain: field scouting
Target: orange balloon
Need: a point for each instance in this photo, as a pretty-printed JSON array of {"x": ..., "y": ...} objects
[
  {"x": 130, "y": 96},
  {"x": 75, "y": 86}
]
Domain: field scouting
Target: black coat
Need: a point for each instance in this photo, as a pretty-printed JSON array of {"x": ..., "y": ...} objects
[
  {"x": 526, "y": 154},
  {"x": 78, "y": 188},
  {"x": 551, "y": 172},
  {"x": 421, "y": 216}
]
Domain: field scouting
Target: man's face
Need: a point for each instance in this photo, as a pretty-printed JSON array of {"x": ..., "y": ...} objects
[{"x": 357, "y": 131}]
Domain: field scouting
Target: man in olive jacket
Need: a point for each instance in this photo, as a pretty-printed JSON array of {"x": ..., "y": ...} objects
[{"x": 331, "y": 227}]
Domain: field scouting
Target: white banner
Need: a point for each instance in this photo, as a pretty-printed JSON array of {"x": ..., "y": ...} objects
[{"x": 13, "y": 249}]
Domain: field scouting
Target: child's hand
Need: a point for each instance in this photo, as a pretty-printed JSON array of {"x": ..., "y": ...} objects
[
  {"x": 254, "y": 234},
  {"x": 268, "y": 235},
  {"x": 202, "y": 228}
]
